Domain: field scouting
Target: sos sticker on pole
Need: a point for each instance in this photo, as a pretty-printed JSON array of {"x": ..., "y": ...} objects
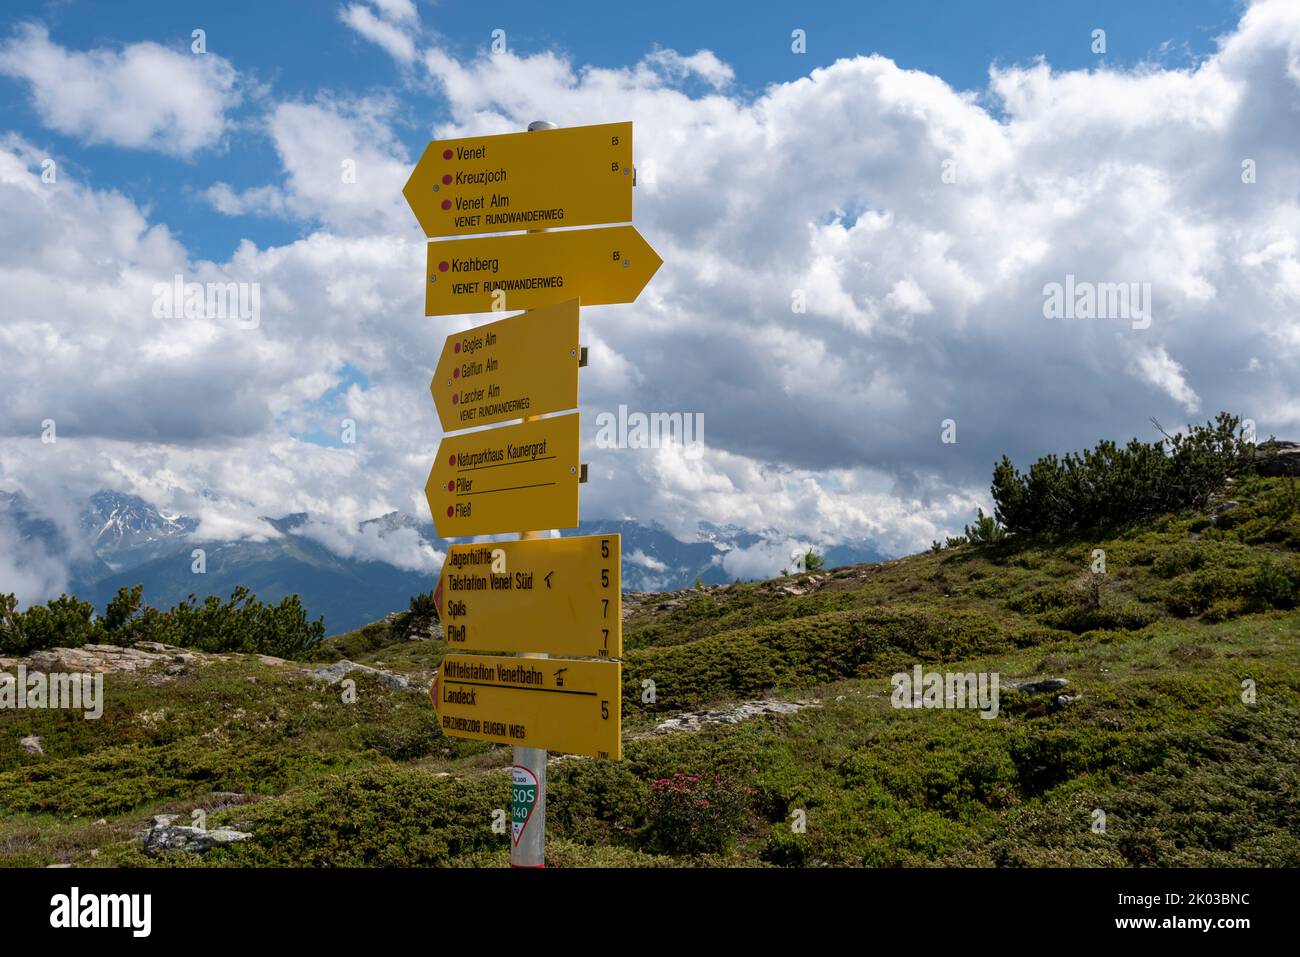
[{"x": 523, "y": 798}]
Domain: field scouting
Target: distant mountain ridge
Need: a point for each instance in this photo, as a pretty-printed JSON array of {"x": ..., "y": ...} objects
[
  {"x": 127, "y": 541},
  {"x": 116, "y": 524}
]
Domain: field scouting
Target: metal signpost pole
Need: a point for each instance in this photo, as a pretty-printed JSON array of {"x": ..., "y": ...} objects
[{"x": 528, "y": 776}]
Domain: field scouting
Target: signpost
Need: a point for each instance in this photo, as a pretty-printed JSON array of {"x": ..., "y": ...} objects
[
  {"x": 542, "y": 179},
  {"x": 562, "y": 596},
  {"x": 538, "y": 596},
  {"x": 521, "y": 366},
  {"x": 507, "y": 478},
  {"x": 537, "y": 269},
  {"x": 558, "y": 704}
]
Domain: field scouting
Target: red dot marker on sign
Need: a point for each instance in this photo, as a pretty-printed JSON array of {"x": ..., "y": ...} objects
[
  {"x": 451, "y": 486},
  {"x": 449, "y": 511},
  {"x": 446, "y": 179},
  {"x": 455, "y": 399},
  {"x": 446, "y": 154},
  {"x": 457, "y": 347},
  {"x": 452, "y": 460},
  {"x": 455, "y": 373},
  {"x": 446, "y": 204},
  {"x": 443, "y": 266}
]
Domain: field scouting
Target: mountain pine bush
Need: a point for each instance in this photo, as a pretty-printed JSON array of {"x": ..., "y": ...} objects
[
  {"x": 985, "y": 531},
  {"x": 1109, "y": 485},
  {"x": 242, "y": 624},
  {"x": 65, "y": 620}
]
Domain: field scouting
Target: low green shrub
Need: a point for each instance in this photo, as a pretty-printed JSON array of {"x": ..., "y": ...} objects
[{"x": 695, "y": 813}]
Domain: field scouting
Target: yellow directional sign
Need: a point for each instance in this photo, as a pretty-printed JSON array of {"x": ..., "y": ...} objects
[
  {"x": 559, "y": 596},
  {"x": 598, "y": 266},
  {"x": 559, "y": 704},
  {"x": 506, "y": 479},
  {"x": 509, "y": 369},
  {"x": 543, "y": 179}
]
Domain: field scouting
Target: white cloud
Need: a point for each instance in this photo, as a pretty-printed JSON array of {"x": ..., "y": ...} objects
[
  {"x": 638, "y": 557},
  {"x": 143, "y": 96},
  {"x": 702, "y": 63},
  {"x": 26, "y": 570},
  {"x": 398, "y": 11},
  {"x": 401, "y": 547},
  {"x": 343, "y": 167},
  {"x": 908, "y": 297},
  {"x": 260, "y": 200},
  {"x": 1155, "y": 366},
  {"x": 384, "y": 30}
]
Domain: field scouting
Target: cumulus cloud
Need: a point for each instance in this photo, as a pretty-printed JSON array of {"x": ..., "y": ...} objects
[
  {"x": 401, "y": 547},
  {"x": 143, "y": 96},
  {"x": 343, "y": 168}
]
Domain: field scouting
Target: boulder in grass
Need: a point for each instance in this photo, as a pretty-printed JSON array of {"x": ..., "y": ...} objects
[{"x": 166, "y": 836}]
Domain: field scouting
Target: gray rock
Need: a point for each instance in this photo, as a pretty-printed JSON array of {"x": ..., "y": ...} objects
[
  {"x": 193, "y": 840},
  {"x": 154, "y": 646},
  {"x": 92, "y": 658},
  {"x": 694, "y": 720},
  {"x": 1274, "y": 459},
  {"x": 333, "y": 674}
]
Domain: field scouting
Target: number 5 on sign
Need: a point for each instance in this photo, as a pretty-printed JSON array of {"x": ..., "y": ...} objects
[
  {"x": 558, "y": 596},
  {"x": 557, "y": 704}
]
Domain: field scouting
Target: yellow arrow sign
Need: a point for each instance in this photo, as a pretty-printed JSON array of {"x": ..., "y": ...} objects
[
  {"x": 560, "y": 596},
  {"x": 517, "y": 367},
  {"x": 537, "y": 269},
  {"x": 516, "y": 477},
  {"x": 558, "y": 704},
  {"x": 543, "y": 179}
]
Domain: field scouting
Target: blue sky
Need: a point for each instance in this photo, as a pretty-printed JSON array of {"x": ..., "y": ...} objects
[
  {"x": 919, "y": 180},
  {"x": 300, "y": 49}
]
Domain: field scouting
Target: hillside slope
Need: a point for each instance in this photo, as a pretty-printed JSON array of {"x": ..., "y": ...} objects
[{"x": 1175, "y": 739}]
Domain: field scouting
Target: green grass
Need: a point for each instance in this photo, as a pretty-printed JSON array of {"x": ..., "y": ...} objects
[{"x": 1158, "y": 736}]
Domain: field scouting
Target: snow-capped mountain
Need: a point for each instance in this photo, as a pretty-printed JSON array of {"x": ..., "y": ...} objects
[
  {"x": 393, "y": 521},
  {"x": 125, "y": 530},
  {"x": 126, "y": 541}
]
